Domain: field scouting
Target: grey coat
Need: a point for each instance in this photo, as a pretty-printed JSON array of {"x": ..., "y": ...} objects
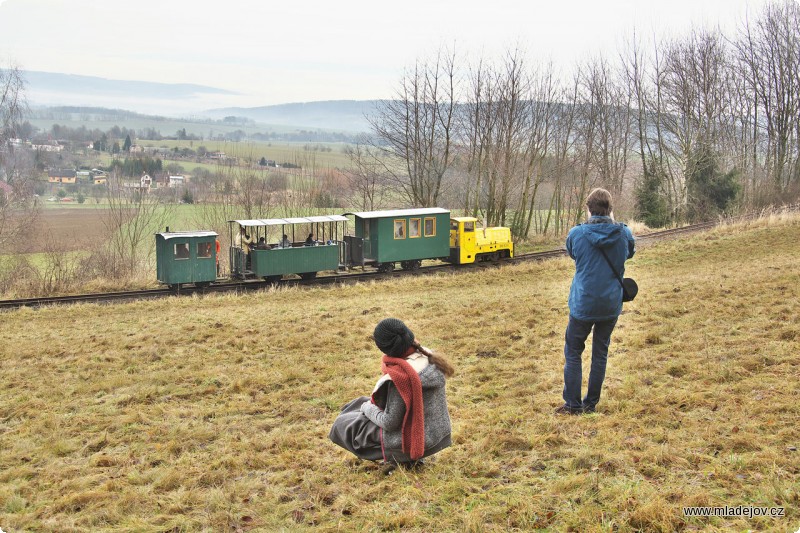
[{"x": 390, "y": 418}]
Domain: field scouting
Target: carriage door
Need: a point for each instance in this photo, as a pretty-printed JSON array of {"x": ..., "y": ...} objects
[
  {"x": 204, "y": 260},
  {"x": 367, "y": 239}
]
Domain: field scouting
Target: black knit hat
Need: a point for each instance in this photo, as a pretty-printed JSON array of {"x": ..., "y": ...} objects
[{"x": 393, "y": 337}]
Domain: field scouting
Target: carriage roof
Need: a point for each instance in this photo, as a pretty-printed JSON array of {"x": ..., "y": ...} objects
[
  {"x": 186, "y": 234},
  {"x": 293, "y": 220},
  {"x": 401, "y": 212}
]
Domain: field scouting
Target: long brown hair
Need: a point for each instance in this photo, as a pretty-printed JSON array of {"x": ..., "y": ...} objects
[{"x": 436, "y": 360}]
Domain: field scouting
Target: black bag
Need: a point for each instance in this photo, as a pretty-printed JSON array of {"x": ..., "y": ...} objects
[{"x": 629, "y": 287}]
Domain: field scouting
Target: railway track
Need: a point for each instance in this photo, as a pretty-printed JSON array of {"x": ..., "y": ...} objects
[{"x": 337, "y": 279}]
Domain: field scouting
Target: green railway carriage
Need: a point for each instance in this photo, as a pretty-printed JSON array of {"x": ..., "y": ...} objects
[
  {"x": 299, "y": 245},
  {"x": 407, "y": 236},
  {"x": 186, "y": 257}
]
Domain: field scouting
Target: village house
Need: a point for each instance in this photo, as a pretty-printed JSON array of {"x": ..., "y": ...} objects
[
  {"x": 143, "y": 185},
  {"x": 99, "y": 177},
  {"x": 52, "y": 146},
  {"x": 62, "y": 175}
]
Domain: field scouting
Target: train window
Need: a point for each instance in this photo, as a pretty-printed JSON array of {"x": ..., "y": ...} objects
[
  {"x": 430, "y": 227},
  {"x": 182, "y": 250},
  {"x": 413, "y": 227},
  {"x": 469, "y": 227},
  {"x": 454, "y": 225},
  {"x": 400, "y": 229},
  {"x": 204, "y": 250}
]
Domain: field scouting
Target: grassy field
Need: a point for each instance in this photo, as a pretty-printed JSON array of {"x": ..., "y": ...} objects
[
  {"x": 212, "y": 414},
  {"x": 166, "y": 126},
  {"x": 305, "y": 154},
  {"x": 295, "y": 153}
]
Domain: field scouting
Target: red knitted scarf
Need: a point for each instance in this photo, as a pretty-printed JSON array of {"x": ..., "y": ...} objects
[{"x": 408, "y": 384}]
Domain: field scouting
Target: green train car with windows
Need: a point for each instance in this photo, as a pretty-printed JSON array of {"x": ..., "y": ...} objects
[
  {"x": 406, "y": 236},
  {"x": 186, "y": 257}
]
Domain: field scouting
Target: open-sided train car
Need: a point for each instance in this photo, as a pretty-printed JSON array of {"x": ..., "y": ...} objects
[{"x": 272, "y": 248}]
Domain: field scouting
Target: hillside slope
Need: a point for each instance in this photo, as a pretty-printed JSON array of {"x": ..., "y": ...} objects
[
  {"x": 346, "y": 115},
  {"x": 213, "y": 412}
]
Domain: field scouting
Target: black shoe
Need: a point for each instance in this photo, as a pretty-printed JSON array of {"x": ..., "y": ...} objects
[
  {"x": 588, "y": 409},
  {"x": 567, "y": 410}
]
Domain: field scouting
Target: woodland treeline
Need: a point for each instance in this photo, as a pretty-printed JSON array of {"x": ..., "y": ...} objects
[{"x": 679, "y": 129}]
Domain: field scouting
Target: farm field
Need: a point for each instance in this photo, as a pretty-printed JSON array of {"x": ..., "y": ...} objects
[
  {"x": 281, "y": 153},
  {"x": 70, "y": 227},
  {"x": 165, "y": 125},
  {"x": 64, "y": 228},
  {"x": 212, "y": 413},
  {"x": 305, "y": 154}
]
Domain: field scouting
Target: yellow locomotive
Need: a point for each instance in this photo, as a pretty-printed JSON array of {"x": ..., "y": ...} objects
[{"x": 469, "y": 243}]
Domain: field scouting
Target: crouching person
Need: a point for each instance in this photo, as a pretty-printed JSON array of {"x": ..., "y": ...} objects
[{"x": 406, "y": 417}]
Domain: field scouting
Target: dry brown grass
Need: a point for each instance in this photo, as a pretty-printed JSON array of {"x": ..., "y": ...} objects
[{"x": 212, "y": 413}]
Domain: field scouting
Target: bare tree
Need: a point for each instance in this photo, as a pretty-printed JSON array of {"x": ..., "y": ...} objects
[
  {"x": 476, "y": 128},
  {"x": 132, "y": 216},
  {"x": 769, "y": 48},
  {"x": 542, "y": 115},
  {"x": 366, "y": 177},
  {"x": 613, "y": 139},
  {"x": 18, "y": 211},
  {"x": 694, "y": 84},
  {"x": 511, "y": 139},
  {"x": 417, "y": 128},
  {"x": 12, "y": 102},
  {"x": 494, "y": 133},
  {"x": 562, "y": 164}
]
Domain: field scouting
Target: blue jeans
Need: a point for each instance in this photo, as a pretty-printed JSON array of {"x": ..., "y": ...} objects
[{"x": 574, "y": 343}]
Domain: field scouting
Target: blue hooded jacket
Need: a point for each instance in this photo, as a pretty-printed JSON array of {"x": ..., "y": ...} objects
[{"x": 596, "y": 295}]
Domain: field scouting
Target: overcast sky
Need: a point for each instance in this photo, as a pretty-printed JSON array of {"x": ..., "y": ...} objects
[{"x": 308, "y": 50}]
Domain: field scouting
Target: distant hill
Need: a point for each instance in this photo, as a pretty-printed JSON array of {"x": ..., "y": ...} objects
[
  {"x": 183, "y": 100},
  {"x": 148, "y": 97},
  {"x": 91, "y": 85},
  {"x": 347, "y": 115}
]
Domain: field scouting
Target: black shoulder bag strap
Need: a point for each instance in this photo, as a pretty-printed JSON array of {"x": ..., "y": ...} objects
[
  {"x": 629, "y": 287},
  {"x": 614, "y": 270},
  {"x": 628, "y": 292}
]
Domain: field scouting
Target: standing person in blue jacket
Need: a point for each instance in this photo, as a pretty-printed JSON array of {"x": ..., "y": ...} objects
[{"x": 595, "y": 298}]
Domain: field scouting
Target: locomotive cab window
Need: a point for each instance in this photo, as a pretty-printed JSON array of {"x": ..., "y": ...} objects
[
  {"x": 430, "y": 227},
  {"x": 182, "y": 250},
  {"x": 469, "y": 227},
  {"x": 204, "y": 250},
  {"x": 413, "y": 228},
  {"x": 400, "y": 229},
  {"x": 454, "y": 225}
]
